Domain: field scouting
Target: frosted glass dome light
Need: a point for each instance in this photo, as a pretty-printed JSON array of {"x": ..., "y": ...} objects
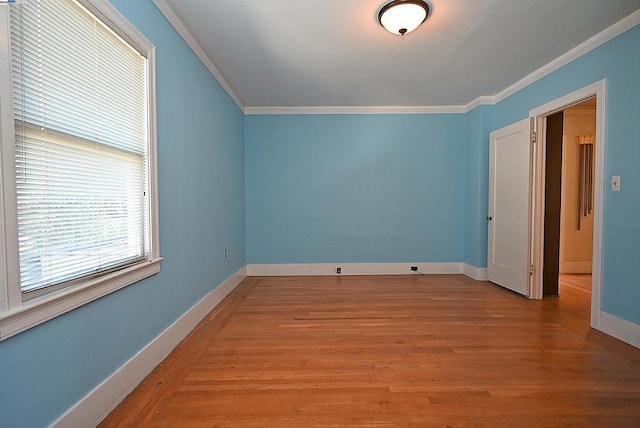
[{"x": 403, "y": 16}]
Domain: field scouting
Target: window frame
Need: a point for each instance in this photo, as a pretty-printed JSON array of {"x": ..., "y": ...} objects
[{"x": 16, "y": 313}]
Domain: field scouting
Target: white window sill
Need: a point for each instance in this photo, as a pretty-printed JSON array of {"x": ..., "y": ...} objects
[{"x": 39, "y": 310}]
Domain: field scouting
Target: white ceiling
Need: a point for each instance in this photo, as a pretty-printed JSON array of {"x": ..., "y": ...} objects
[{"x": 335, "y": 53}]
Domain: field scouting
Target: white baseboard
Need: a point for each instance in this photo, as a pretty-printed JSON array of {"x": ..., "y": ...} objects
[
  {"x": 576, "y": 267},
  {"x": 97, "y": 404},
  {"x": 317, "y": 269},
  {"x": 620, "y": 329},
  {"x": 479, "y": 274}
]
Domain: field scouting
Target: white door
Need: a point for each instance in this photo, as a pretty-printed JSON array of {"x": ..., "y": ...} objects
[{"x": 509, "y": 209}]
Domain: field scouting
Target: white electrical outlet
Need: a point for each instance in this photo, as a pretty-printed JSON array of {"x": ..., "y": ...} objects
[{"x": 615, "y": 183}]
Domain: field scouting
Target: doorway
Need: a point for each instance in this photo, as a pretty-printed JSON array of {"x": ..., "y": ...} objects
[
  {"x": 569, "y": 201},
  {"x": 571, "y": 231}
]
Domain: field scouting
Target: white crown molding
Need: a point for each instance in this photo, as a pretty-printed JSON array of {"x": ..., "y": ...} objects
[
  {"x": 295, "y": 110},
  {"x": 195, "y": 47},
  {"x": 485, "y": 100},
  {"x": 96, "y": 405},
  {"x": 594, "y": 42}
]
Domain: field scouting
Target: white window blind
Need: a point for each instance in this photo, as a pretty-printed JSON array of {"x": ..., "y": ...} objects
[{"x": 80, "y": 107}]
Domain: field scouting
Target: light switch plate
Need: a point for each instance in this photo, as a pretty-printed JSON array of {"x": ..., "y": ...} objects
[{"x": 615, "y": 183}]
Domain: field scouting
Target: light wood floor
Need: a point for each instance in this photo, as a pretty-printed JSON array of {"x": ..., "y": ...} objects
[
  {"x": 575, "y": 281},
  {"x": 406, "y": 351}
]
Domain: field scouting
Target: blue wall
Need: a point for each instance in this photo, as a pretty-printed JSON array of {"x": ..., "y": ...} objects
[
  {"x": 355, "y": 188},
  {"x": 619, "y": 62},
  {"x": 479, "y": 125},
  {"x": 344, "y": 188},
  {"x": 414, "y": 188},
  {"x": 45, "y": 370}
]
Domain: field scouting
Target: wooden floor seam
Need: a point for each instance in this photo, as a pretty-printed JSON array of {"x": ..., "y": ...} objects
[{"x": 391, "y": 351}]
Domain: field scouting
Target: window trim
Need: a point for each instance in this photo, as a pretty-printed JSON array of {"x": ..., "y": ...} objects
[{"x": 16, "y": 314}]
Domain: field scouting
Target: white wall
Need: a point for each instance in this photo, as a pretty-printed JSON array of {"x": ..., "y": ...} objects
[{"x": 576, "y": 246}]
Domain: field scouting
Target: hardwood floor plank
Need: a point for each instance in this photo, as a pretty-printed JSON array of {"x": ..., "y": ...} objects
[{"x": 387, "y": 352}]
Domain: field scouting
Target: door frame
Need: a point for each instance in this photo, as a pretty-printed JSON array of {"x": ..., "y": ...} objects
[{"x": 598, "y": 90}]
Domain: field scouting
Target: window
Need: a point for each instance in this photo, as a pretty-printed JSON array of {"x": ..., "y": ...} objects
[{"x": 78, "y": 146}]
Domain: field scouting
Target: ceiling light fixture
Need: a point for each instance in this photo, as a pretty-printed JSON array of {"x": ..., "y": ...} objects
[{"x": 403, "y": 16}]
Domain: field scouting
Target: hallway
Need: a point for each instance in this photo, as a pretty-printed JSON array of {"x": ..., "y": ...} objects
[{"x": 574, "y": 303}]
